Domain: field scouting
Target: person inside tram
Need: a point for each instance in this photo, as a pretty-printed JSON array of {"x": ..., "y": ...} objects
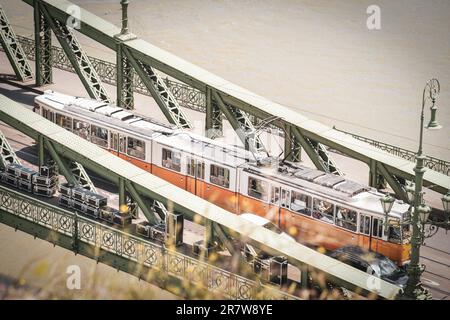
[{"x": 324, "y": 211}]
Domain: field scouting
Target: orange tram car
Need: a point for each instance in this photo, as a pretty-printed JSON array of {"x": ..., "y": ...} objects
[{"x": 317, "y": 208}]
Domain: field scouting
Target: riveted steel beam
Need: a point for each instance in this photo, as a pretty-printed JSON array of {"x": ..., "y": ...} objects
[
  {"x": 62, "y": 165},
  {"x": 241, "y": 124},
  {"x": 393, "y": 182},
  {"x": 140, "y": 201},
  {"x": 292, "y": 147},
  {"x": 81, "y": 176},
  {"x": 316, "y": 152},
  {"x": 213, "y": 120},
  {"x": 41, "y": 151},
  {"x": 124, "y": 81},
  {"x": 159, "y": 91},
  {"x": 7, "y": 154},
  {"x": 43, "y": 48},
  {"x": 13, "y": 49},
  {"x": 78, "y": 58}
]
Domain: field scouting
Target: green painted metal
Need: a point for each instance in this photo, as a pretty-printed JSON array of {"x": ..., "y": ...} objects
[
  {"x": 146, "y": 260},
  {"x": 79, "y": 60},
  {"x": 13, "y": 49},
  {"x": 122, "y": 195},
  {"x": 81, "y": 176},
  {"x": 61, "y": 142},
  {"x": 149, "y": 215},
  {"x": 43, "y": 48},
  {"x": 292, "y": 147},
  {"x": 393, "y": 182},
  {"x": 242, "y": 99},
  {"x": 159, "y": 91},
  {"x": 41, "y": 151},
  {"x": 240, "y": 123},
  {"x": 7, "y": 154},
  {"x": 213, "y": 120},
  {"x": 125, "y": 76},
  {"x": 62, "y": 165},
  {"x": 432, "y": 163}
]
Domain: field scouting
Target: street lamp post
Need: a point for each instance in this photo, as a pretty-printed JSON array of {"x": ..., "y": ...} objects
[{"x": 414, "y": 289}]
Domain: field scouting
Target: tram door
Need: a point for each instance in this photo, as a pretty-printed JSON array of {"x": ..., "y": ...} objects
[
  {"x": 285, "y": 198},
  {"x": 365, "y": 237}
]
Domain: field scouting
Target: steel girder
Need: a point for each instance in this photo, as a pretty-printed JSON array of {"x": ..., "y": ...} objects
[
  {"x": 316, "y": 152},
  {"x": 241, "y": 124},
  {"x": 394, "y": 182},
  {"x": 124, "y": 81},
  {"x": 13, "y": 49},
  {"x": 292, "y": 147},
  {"x": 149, "y": 214},
  {"x": 7, "y": 154},
  {"x": 73, "y": 171},
  {"x": 159, "y": 91},
  {"x": 81, "y": 176},
  {"x": 62, "y": 164},
  {"x": 43, "y": 48},
  {"x": 78, "y": 58},
  {"x": 213, "y": 120}
]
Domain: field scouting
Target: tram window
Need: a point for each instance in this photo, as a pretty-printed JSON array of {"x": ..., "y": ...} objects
[
  {"x": 220, "y": 176},
  {"x": 47, "y": 114},
  {"x": 364, "y": 225},
  {"x": 63, "y": 121},
  {"x": 346, "y": 218},
  {"x": 258, "y": 188},
  {"x": 136, "y": 148},
  {"x": 191, "y": 167},
  {"x": 398, "y": 233},
  {"x": 301, "y": 203},
  {"x": 275, "y": 197},
  {"x": 285, "y": 198},
  {"x": 323, "y": 210},
  {"x": 377, "y": 228},
  {"x": 99, "y": 136},
  {"x": 171, "y": 159},
  {"x": 122, "y": 143},
  {"x": 81, "y": 128},
  {"x": 394, "y": 234},
  {"x": 114, "y": 138}
]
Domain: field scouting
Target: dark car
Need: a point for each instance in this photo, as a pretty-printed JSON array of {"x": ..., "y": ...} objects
[{"x": 372, "y": 263}]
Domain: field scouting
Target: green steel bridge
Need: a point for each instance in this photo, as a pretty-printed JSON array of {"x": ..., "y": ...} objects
[{"x": 174, "y": 84}]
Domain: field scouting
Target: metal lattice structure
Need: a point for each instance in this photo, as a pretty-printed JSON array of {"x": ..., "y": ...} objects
[
  {"x": 81, "y": 176},
  {"x": 313, "y": 137},
  {"x": 78, "y": 58},
  {"x": 88, "y": 237},
  {"x": 42, "y": 49},
  {"x": 7, "y": 154},
  {"x": 156, "y": 85},
  {"x": 432, "y": 163},
  {"x": 327, "y": 163},
  {"x": 13, "y": 49}
]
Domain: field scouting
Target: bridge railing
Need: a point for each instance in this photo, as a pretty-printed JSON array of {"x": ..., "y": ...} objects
[
  {"x": 433, "y": 163},
  {"x": 151, "y": 255}
]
